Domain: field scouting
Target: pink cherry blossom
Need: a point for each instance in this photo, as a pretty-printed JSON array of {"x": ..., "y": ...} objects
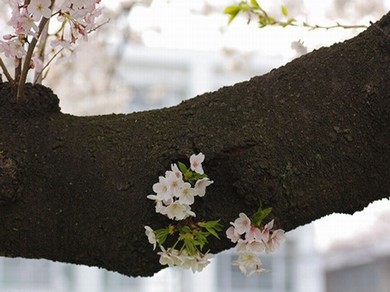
[
  {"x": 232, "y": 234},
  {"x": 36, "y": 63},
  {"x": 253, "y": 233},
  {"x": 242, "y": 224},
  {"x": 176, "y": 171},
  {"x": 276, "y": 239},
  {"x": 39, "y": 9},
  {"x": 267, "y": 230},
  {"x": 13, "y": 48}
]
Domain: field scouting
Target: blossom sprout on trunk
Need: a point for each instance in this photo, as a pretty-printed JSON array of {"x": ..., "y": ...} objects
[
  {"x": 252, "y": 237},
  {"x": 174, "y": 195}
]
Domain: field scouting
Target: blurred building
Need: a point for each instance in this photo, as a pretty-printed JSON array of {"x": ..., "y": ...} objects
[
  {"x": 361, "y": 263},
  {"x": 296, "y": 267}
]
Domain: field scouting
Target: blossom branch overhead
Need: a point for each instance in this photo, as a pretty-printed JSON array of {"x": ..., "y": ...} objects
[{"x": 29, "y": 19}]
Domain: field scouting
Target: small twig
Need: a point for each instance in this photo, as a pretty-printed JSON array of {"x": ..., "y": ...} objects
[
  {"x": 5, "y": 71},
  {"x": 41, "y": 52},
  {"x": 379, "y": 29},
  {"x": 48, "y": 63}
]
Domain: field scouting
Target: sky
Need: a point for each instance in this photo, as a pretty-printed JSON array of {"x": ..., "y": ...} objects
[{"x": 181, "y": 25}]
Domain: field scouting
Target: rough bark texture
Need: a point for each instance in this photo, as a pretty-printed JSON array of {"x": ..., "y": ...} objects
[{"x": 309, "y": 139}]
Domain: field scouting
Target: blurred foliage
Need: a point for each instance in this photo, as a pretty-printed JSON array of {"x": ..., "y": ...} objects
[{"x": 252, "y": 9}]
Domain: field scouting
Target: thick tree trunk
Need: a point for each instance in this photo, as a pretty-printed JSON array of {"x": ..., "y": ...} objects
[{"x": 309, "y": 139}]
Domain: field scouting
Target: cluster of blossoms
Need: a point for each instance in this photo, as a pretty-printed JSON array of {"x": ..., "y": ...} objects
[
  {"x": 251, "y": 237},
  {"x": 174, "y": 194},
  {"x": 29, "y": 20}
]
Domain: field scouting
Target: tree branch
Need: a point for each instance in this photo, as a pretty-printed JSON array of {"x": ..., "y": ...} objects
[{"x": 308, "y": 139}]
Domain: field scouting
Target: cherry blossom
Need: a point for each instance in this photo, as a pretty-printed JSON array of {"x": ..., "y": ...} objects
[
  {"x": 29, "y": 18},
  {"x": 249, "y": 263},
  {"x": 242, "y": 224},
  {"x": 178, "y": 211},
  {"x": 176, "y": 171},
  {"x": 173, "y": 257},
  {"x": 255, "y": 246},
  {"x": 253, "y": 238},
  {"x": 232, "y": 234},
  {"x": 36, "y": 63},
  {"x": 196, "y": 162},
  {"x": 174, "y": 181},
  {"x": 13, "y": 48},
  {"x": 276, "y": 239},
  {"x": 151, "y": 236},
  {"x": 253, "y": 233},
  {"x": 163, "y": 189},
  {"x": 166, "y": 258},
  {"x": 201, "y": 185},
  {"x": 174, "y": 194},
  {"x": 200, "y": 261},
  {"x": 186, "y": 194},
  {"x": 39, "y": 9}
]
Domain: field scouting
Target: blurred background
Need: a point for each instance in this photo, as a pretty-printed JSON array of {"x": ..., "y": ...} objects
[{"x": 155, "y": 53}]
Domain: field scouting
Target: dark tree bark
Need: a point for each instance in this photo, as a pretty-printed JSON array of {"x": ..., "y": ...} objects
[{"x": 309, "y": 139}]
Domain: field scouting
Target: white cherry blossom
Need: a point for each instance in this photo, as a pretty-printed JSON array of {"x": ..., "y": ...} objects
[
  {"x": 174, "y": 181},
  {"x": 163, "y": 189},
  {"x": 166, "y": 258},
  {"x": 196, "y": 162},
  {"x": 201, "y": 184},
  {"x": 248, "y": 262},
  {"x": 176, "y": 211},
  {"x": 186, "y": 194},
  {"x": 255, "y": 246},
  {"x": 151, "y": 236}
]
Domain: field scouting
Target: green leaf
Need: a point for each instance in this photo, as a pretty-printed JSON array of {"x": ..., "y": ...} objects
[
  {"x": 213, "y": 227},
  {"x": 284, "y": 10},
  {"x": 161, "y": 235},
  {"x": 232, "y": 10},
  {"x": 183, "y": 168},
  {"x": 189, "y": 245},
  {"x": 260, "y": 215},
  {"x": 185, "y": 229},
  {"x": 200, "y": 238},
  {"x": 255, "y": 5}
]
